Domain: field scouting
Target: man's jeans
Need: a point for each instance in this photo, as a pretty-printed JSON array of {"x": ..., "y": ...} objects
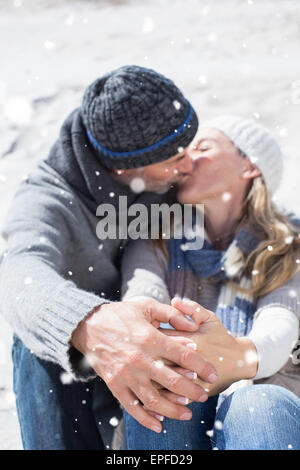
[
  {"x": 57, "y": 416},
  {"x": 259, "y": 417}
]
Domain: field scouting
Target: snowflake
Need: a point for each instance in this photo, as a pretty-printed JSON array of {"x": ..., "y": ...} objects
[
  {"x": 159, "y": 364},
  {"x": 289, "y": 240},
  {"x": 27, "y": 280},
  {"x": 255, "y": 272},
  {"x": 97, "y": 173},
  {"x": 176, "y": 104},
  {"x": 270, "y": 248},
  {"x": 69, "y": 20},
  {"x": 180, "y": 149},
  {"x": 218, "y": 424},
  {"x": 290, "y": 446},
  {"x": 111, "y": 194},
  {"x": 65, "y": 378},
  {"x": 49, "y": 44},
  {"x": 100, "y": 247},
  {"x": 114, "y": 421},
  {"x": 283, "y": 132},
  {"x": 250, "y": 357},
  {"x": 226, "y": 197},
  {"x": 253, "y": 159},
  {"x": 251, "y": 409},
  {"x": 202, "y": 80},
  {"x": 70, "y": 273},
  {"x": 19, "y": 110},
  {"x": 148, "y": 25},
  {"x": 221, "y": 358},
  {"x": 83, "y": 402},
  {"x": 210, "y": 433},
  {"x": 91, "y": 268},
  {"x": 292, "y": 293},
  {"x": 137, "y": 185}
]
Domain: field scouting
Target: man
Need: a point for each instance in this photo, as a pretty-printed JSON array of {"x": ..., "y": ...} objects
[{"x": 59, "y": 284}]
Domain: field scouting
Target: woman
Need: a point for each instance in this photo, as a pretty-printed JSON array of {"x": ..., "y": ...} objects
[{"x": 246, "y": 273}]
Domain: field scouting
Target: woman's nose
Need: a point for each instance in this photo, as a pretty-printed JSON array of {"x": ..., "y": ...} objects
[{"x": 186, "y": 164}]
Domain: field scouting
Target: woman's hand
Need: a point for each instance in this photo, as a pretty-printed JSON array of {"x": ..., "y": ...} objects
[{"x": 234, "y": 358}]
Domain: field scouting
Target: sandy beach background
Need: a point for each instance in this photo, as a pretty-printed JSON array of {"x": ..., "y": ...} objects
[{"x": 228, "y": 56}]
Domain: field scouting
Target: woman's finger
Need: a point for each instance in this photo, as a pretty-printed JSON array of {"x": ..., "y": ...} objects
[
  {"x": 194, "y": 310},
  {"x": 181, "y": 399}
]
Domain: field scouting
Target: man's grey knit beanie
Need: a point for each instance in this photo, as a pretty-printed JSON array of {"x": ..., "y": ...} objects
[
  {"x": 135, "y": 117},
  {"x": 256, "y": 143}
]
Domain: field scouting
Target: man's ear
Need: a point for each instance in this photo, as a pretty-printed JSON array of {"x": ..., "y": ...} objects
[{"x": 251, "y": 172}]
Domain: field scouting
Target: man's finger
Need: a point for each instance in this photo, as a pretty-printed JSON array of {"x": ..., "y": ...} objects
[
  {"x": 153, "y": 401},
  {"x": 194, "y": 310},
  {"x": 185, "y": 357},
  {"x": 133, "y": 406},
  {"x": 176, "y": 383}
]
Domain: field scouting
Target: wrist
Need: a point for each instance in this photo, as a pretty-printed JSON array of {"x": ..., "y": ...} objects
[
  {"x": 80, "y": 334},
  {"x": 247, "y": 358}
]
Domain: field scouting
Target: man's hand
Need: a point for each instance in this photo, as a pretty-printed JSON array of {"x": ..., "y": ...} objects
[
  {"x": 121, "y": 342},
  {"x": 234, "y": 358}
]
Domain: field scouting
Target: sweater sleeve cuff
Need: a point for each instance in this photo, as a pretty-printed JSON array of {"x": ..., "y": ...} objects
[{"x": 69, "y": 306}]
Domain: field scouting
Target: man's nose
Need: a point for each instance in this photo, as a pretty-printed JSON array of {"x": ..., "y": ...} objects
[{"x": 186, "y": 164}]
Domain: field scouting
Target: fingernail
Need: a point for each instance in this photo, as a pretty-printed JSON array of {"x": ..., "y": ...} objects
[
  {"x": 191, "y": 375},
  {"x": 156, "y": 428},
  {"x": 182, "y": 400},
  {"x": 175, "y": 298},
  {"x": 186, "y": 415},
  {"x": 159, "y": 417},
  {"x": 192, "y": 346},
  {"x": 203, "y": 397},
  {"x": 212, "y": 378}
]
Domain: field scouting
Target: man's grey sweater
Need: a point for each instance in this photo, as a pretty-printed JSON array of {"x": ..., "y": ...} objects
[{"x": 55, "y": 270}]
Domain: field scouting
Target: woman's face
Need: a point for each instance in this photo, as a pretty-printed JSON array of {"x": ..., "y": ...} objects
[{"x": 219, "y": 171}]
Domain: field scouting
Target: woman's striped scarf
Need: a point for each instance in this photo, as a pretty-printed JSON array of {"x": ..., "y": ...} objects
[{"x": 186, "y": 268}]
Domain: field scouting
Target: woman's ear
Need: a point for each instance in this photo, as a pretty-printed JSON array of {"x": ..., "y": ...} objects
[{"x": 251, "y": 172}]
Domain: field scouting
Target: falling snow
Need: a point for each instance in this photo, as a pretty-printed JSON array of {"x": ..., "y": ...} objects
[
  {"x": 114, "y": 421},
  {"x": 137, "y": 185}
]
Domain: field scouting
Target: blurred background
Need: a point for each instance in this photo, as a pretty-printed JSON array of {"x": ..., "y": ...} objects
[{"x": 228, "y": 56}]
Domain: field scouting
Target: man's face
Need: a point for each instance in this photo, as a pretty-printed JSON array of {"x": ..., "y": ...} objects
[{"x": 158, "y": 177}]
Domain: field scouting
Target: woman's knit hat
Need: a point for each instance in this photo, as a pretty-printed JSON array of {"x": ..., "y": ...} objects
[
  {"x": 135, "y": 117},
  {"x": 255, "y": 142}
]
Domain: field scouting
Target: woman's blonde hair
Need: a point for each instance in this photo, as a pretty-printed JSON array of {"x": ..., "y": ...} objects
[{"x": 277, "y": 256}]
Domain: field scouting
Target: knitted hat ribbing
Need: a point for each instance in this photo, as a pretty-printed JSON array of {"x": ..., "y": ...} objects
[
  {"x": 256, "y": 142},
  {"x": 135, "y": 117}
]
